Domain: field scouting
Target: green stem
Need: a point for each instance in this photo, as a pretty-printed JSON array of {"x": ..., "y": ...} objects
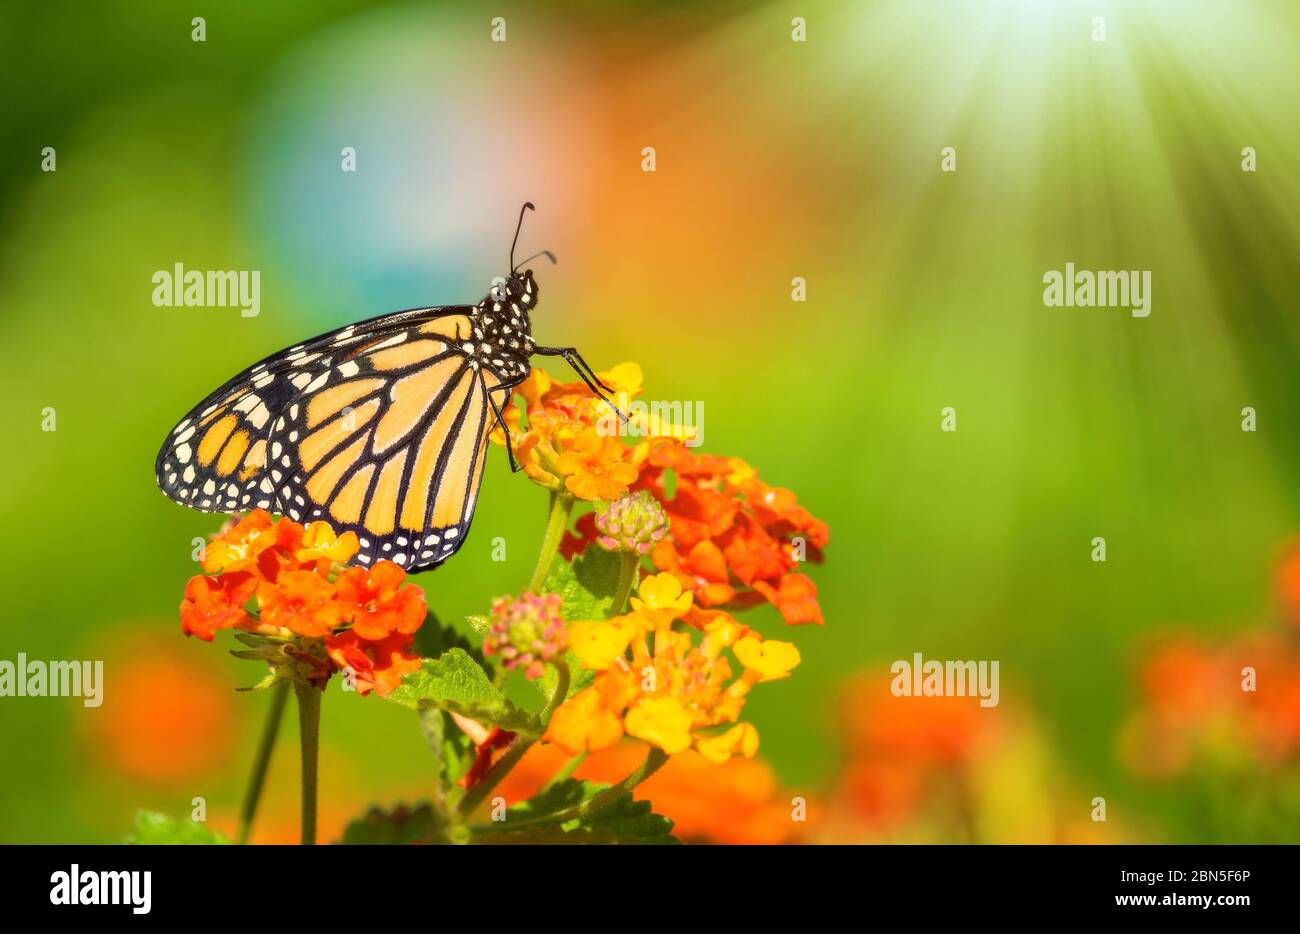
[
  {"x": 476, "y": 795},
  {"x": 309, "y": 733},
  {"x": 431, "y": 726},
  {"x": 626, "y": 581},
  {"x": 257, "y": 780},
  {"x": 556, "y": 525}
]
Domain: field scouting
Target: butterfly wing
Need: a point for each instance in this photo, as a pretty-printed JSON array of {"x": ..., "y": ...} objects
[
  {"x": 393, "y": 452},
  {"x": 214, "y": 459},
  {"x": 380, "y": 428}
]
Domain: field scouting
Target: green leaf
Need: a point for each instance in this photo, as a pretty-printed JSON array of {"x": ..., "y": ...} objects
[
  {"x": 457, "y": 683},
  {"x": 154, "y": 829},
  {"x": 401, "y": 825},
  {"x": 556, "y": 798},
  {"x": 624, "y": 821},
  {"x": 586, "y": 584}
]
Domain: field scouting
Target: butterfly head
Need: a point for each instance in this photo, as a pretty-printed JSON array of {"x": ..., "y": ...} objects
[{"x": 518, "y": 292}]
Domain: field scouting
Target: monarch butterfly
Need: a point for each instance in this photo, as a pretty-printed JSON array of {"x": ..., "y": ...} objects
[{"x": 380, "y": 427}]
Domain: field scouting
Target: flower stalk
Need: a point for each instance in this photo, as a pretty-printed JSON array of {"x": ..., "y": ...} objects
[
  {"x": 257, "y": 780},
  {"x": 309, "y": 734},
  {"x": 630, "y": 562},
  {"x": 556, "y": 524}
]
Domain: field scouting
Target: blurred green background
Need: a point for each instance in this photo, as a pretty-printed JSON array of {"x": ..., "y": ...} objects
[{"x": 775, "y": 159}]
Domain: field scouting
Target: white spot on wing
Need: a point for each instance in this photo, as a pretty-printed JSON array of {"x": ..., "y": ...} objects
[{"x": 391, "y": 342}]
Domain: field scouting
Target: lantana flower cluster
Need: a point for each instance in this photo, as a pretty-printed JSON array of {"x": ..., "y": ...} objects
[
  {"x": 675, "y": 669},
  {"x": 290, "y": 584},
  {"x": 526, "y": 633},
  {"x": 735, "y": 540},
  {"x": 732, "y": 539},
  {"x": 562, "y": 447},
  {"x": 654, "y": 682}
]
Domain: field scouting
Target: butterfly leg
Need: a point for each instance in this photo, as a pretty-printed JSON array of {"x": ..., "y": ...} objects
[
  {"x": 571, "y": 356},
  {"x": 501, "y": 420}
]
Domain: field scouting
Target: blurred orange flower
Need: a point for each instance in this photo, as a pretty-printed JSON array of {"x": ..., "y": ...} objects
[
  {"x": 1232, "y": 702},
  {"x": 171, "y": 720},
  {"x": 939, "y": 769},
  {"x": 1288, "y": 583}
]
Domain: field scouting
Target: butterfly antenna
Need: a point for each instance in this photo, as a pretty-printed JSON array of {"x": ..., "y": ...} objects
[
  {"x": 547, "y": 253},
  {"x": 528, "y": 206}
]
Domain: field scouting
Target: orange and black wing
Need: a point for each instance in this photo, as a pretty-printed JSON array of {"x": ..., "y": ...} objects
[
  {"x": 380, "y": 428},
  {"x": 393, "y": 450}
]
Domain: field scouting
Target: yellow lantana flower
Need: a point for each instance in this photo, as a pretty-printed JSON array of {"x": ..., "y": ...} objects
[
  {"x": 592, "y": 719},
  {"x": 319, "y": 542},
  {"x": 772, "y": 661},
  {"x": 662, "y": 722},
  {"x": 656, "y": 684},
  {"x": 598, "y": 643},
  {"x": 741, "y": 739},
  {"x": 662, "y": 600}
]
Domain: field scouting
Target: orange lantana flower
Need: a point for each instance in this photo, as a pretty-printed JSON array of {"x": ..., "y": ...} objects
[
  {"x": 594, "y": 467},
  {"x": 213, "y": 603},
  {"x": 377, "y": 603},
  {"x": 593, "y": 718},
  {"x": 733, "y": 539},
  {"x": 306, "y": 603},
  {"x": 564, "y": 447},
  {"x": 319, "y": 543},
  {"x": 795, "y": 596},
  {"x": 374, "y": 665},
  {"x": 238, "y": 548},
  {"x": 300, "y": 601}
]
